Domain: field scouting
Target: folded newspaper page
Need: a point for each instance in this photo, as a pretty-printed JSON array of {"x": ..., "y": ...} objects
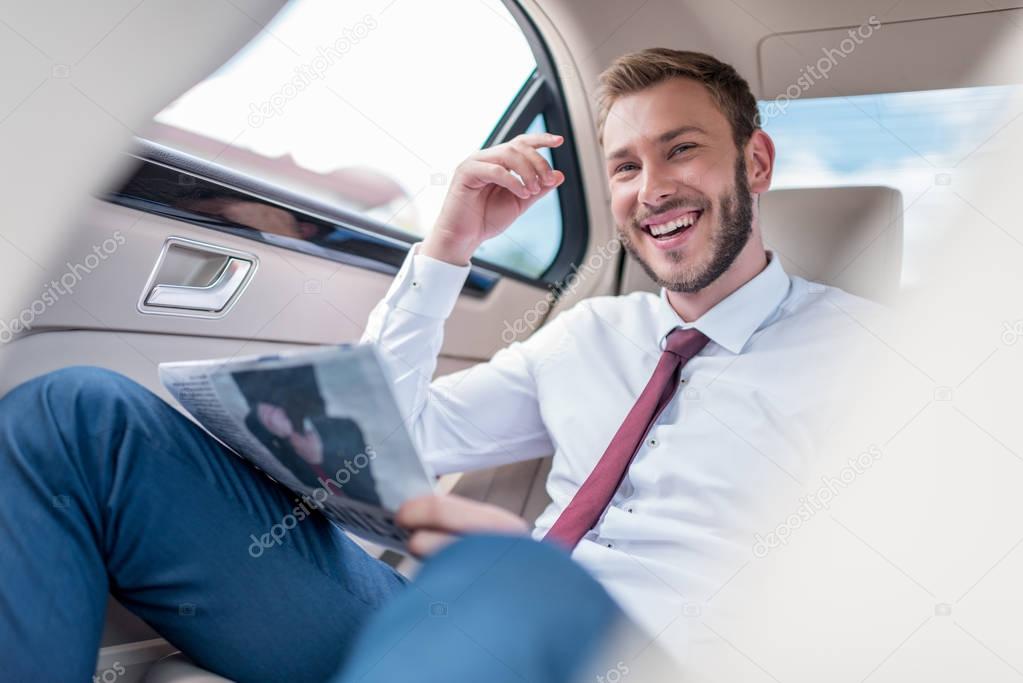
[{"x": 322, "y": 422}]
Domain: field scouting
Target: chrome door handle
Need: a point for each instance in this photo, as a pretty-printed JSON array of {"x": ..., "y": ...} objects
[{"x": 213, "y": 297}]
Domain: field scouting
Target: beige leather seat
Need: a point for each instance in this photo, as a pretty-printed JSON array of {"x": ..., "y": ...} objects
[{"x": 848, "y": 237}]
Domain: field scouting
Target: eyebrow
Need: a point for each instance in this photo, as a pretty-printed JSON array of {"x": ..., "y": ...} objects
[{"x": 662, "y": 138}]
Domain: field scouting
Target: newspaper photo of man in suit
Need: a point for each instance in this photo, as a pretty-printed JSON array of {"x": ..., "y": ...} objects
[{"x": 287, "y": 414}]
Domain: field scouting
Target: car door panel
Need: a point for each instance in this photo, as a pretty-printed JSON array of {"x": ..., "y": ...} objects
[{"x": 293, "y": 299}]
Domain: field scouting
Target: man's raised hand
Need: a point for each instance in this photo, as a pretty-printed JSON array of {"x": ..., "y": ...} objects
[{"x": 485, "y": 196}]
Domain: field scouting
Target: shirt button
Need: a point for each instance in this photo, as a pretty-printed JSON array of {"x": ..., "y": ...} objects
[
  {"x": 628, "y": 510},
  {"x": 609, "y": 545},
  {"x": 415, "y": 284},
  {"x": 652, "y": 442}
]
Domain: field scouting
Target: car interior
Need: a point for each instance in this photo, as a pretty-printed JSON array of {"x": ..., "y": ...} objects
[{"x": 219, "y": 179}]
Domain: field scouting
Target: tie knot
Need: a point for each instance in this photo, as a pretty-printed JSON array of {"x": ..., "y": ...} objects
[{"x": 685, "y": 343}]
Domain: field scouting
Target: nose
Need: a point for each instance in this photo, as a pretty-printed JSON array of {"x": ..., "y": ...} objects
[{"x": 656, "y": 187}]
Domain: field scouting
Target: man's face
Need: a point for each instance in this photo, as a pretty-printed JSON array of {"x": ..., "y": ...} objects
[{"x": 671, "y": 160}]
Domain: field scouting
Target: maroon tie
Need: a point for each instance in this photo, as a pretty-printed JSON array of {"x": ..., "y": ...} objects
[{"x": 595, "y": 494}]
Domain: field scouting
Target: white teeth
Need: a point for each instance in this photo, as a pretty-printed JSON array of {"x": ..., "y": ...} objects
[{"x": 663, "y": 228}]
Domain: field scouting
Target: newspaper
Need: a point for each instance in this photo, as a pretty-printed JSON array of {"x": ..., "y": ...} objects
[{"x": 323, "y": 422}]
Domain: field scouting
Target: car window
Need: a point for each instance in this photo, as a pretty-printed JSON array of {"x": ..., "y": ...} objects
[
  {"x": 355, "y": 104},
  {"x": 911, "y": 141}
]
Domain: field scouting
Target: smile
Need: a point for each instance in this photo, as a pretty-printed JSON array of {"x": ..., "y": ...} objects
[{"x": 674, "y": 225}]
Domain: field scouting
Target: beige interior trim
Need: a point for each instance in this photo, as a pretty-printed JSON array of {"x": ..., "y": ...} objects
[
  {"x": 292, "y": 298},
  {"x": 924, "y": 54}
]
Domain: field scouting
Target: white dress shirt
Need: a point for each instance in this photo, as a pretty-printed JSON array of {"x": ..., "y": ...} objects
[{"x": 741, "y": 429}]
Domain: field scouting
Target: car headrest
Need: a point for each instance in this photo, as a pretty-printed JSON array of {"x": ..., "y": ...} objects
[{"x": 849, "y": 237}]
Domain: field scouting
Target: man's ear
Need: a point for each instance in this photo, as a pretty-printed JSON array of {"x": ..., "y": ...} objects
[{"x": 759, "y": 161}]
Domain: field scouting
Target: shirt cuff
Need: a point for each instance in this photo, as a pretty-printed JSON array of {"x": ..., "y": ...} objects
[{"x": 426, "y": 286}]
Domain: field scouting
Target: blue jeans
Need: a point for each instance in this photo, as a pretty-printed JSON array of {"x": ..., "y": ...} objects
[{"x": 106, "y": 488}]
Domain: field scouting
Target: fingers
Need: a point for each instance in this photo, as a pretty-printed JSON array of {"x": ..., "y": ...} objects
[
  {"x": 513, "y": 159},
  {"x": 557, "y": 177},
  {"x": 437, "y": 520},
  {"x": 479, "y": 173},
  {"x": 454, "y": 514},
  {"x": 425, "y": 543},
  {"x": 538, "y": 170},
  {"x": 540, "y": 139},
  {"x": 519, "y": 154}
]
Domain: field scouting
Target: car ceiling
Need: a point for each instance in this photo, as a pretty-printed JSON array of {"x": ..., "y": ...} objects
[{"x": 596, "y": 31}]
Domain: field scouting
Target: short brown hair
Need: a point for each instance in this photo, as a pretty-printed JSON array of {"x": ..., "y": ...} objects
[{"x": 637, "y": 71}]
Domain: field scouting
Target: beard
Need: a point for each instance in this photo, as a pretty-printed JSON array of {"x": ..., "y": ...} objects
[{"x": 726, "y": 242}]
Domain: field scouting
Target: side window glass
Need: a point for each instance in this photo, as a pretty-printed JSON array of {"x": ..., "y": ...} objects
[{"x": 355, "y": 105}]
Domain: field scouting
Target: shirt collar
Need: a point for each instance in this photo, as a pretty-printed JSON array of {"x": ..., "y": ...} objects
[{"x": 734, "y": 319}]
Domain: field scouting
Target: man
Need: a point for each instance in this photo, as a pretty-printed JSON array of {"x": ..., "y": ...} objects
[{"x": 655, "y": 486}]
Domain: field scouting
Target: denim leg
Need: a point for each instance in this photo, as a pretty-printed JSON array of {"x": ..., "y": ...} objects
[
  {"x": 489, "y": 608},
  {"x": 103, "y": 486}
]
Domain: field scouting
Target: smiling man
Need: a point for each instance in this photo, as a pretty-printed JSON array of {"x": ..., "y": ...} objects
[
  {"x": 684, "y": 153},
  {"x": 675, "y": 419},
  {"x": 680, "y": 422}
]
